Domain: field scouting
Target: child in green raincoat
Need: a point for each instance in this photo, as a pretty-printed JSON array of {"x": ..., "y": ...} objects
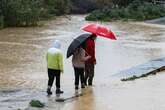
[{"x": 55, "y": 66}]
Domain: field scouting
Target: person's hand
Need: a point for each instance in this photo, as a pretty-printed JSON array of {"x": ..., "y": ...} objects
[{"x": 88, "y": 57}]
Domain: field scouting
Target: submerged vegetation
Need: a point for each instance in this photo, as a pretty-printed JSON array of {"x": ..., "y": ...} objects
[
  {"x": 36, "y": 103},
  {"x": 136, "y": 10}
]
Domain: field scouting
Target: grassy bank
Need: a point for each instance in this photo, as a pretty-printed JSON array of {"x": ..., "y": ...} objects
[
  {"x": 137, "y": 10},
  {"x": 30, "y": 12},
  {"x": 134, "y": 77}
]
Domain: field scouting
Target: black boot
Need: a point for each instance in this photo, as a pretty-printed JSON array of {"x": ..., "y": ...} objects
[
  {"x": 49, "y": 91},
  {"x": 76, "y": 87},
  {"x": 58, "y": 91},
  {"x": 90, "y": 81},
  {"x": 85, "y": 82},
  {"x": 83, "y": 86}
]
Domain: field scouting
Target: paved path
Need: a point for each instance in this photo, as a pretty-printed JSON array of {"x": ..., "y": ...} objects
[
  {"x": 150, "y": 67},
  {"x": 157, "y": 21}
]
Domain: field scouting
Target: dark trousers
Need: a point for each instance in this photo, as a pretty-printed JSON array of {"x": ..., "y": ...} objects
[
  {"x": 52, "y": 74},
  {"x": 89, "y": 73},
  {"x": 79, "y": 74}
]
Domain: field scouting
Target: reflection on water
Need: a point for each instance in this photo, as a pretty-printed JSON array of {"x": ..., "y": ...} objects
[
  {"x": 23, "y": 64},
  {"x": 86, "y": 102}
]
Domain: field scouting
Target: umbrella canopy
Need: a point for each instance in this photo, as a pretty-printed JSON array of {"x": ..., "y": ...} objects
[
  {"x": 99, "y": 30},
  {"x": 76, "y": 43}
]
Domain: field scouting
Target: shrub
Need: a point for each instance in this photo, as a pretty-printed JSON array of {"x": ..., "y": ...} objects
[
  {"x": 30, "y": 12},
  {"x": 1, "y": 20},
  {"x": 58, "y": 7},
  {"x": 125, "y": 3},
  {"x": 85, "y": 6},
  {"x": 96, "y": 15},
  {"x": 21, "y": 12},
  {"x": 137, "y": 10}
]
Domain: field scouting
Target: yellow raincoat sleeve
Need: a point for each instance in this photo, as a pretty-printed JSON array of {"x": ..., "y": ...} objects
[{"x": 61, "y": 65}]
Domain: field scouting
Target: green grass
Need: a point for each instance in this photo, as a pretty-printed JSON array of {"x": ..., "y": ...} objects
[{"x": 132, "y": 78}]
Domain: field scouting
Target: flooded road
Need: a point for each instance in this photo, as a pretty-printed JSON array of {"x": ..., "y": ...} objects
[{"x": 23, "y": 72}]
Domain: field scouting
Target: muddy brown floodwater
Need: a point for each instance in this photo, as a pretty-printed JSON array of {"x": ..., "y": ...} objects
[{"x": 23, "y": 72}]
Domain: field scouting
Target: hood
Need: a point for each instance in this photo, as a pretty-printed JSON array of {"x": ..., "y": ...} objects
[{"x": 57, "y": 44}]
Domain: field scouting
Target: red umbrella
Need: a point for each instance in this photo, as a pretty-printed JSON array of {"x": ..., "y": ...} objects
[{"x": 99, "y": 30}]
